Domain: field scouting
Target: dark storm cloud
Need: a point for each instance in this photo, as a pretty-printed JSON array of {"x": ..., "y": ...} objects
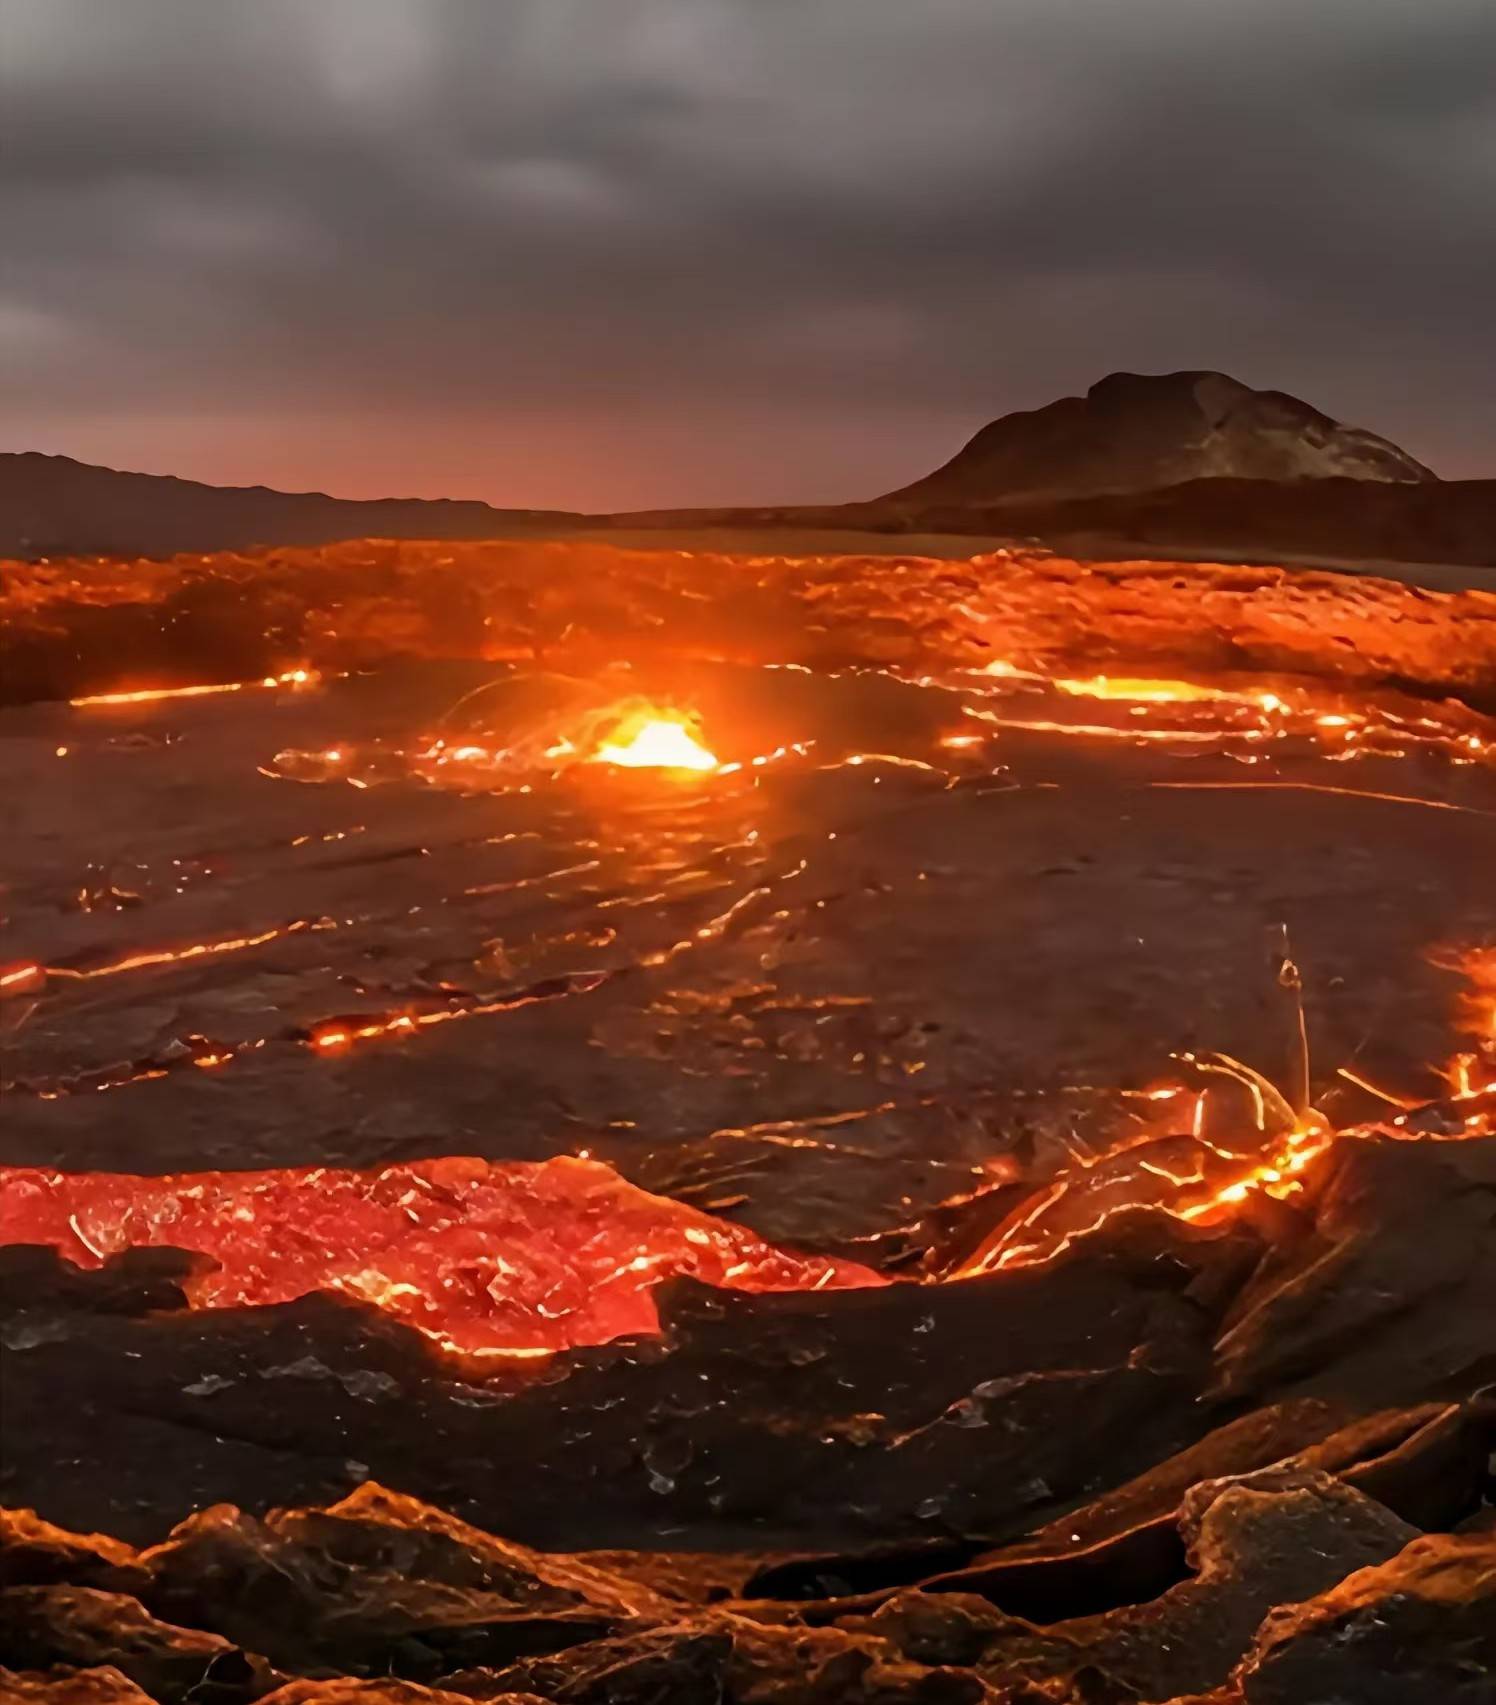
[{"x": 613, "y": 251}]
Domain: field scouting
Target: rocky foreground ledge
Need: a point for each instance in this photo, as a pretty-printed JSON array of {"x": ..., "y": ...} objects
[
  {"x": 1251, "y": 1467},
  {"x": 1300, "y": 1587}
]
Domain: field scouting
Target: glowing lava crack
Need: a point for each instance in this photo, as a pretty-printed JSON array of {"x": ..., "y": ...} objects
[{"x": 486, "y": 1258}]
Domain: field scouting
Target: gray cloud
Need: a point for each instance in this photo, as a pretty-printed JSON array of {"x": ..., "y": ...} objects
[{"x": 602, "y": 252}]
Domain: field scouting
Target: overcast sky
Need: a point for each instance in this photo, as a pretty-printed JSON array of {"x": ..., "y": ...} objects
[{"x": 610, "y": 253}]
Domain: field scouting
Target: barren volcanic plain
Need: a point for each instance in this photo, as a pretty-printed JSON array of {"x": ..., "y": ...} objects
[{"x": 615, "y": 1122}]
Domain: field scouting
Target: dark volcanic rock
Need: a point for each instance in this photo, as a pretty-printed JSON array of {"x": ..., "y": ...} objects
[
  {"x": 1421, "y": 1626},
  {"x": 1430, "y": 1466},
  {"x": 722, "y": 1657},
  {"x": 1133, "y": 432},
  {"x": 829, "y": 1666},
  {"x": 45, "y": 1626},
  {"x": 755, "y": 1418},
  {"x": 1357, "y": 1306},
  {"x": 1274, "y": 1537},
  {"x": 1255, "y": 1543},
  {"x": 344, "y": 1691},
  {"x": 34, "y": 1282},
  {"x": 1427, "y": 1465},
  {"x": 670, "y": 1666},
  {"x": 1119, "y": 1548},
  {"x": 380, "y": 1584},
  {"x": 1400, "y": 1269},
  {"x": 1333, "y": 520},
  {"x": 35, "y": 1553},
  {"x": 104, "y": 1686}
]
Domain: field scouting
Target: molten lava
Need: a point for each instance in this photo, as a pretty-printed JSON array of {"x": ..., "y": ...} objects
[
  {"x": 149, "y": 695},
  {"x": 485, "y": 1258},
  {"x": 15, "y": 978},
  {"x": 1472, "y": 1076},
  {"x": 654, "y": 742},
  {"x": 1247, "y": 719},
  {"x": 524, "y": 1259}
]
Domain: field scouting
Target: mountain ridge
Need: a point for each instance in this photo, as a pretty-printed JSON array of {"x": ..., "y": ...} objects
[
  {"x": 60, "y": 506},
  {"x": 1193, "y": 460}
]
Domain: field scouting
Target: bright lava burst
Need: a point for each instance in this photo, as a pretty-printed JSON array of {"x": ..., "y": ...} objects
[{"x": 655, "y": 743}]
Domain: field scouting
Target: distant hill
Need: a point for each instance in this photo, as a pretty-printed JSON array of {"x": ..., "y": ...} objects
[
  {"x": 1137, "y": 432},
  {"x": 54, "y": 506}
]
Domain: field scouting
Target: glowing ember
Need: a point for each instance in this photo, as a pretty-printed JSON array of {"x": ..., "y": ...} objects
[
  {"x": 655, "y": 743},
  {"x": 486, "y": 1258}
]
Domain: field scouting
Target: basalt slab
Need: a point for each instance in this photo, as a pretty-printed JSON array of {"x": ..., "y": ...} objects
[{"x": 1421, "y": 1625}]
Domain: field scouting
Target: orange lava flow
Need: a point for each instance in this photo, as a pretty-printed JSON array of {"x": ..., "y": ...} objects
[
  {"x": 1204, "y": 1168},
  {"x": 1250, "y": 716},
  {"x": 1254, "y": 723},
  {"x": 485, "y": 1258},
  {"x": 1138, "y": 690},
  {"x": 17, "y": 979},
  {"x": 152, "y": 957},
  {"x": 149, "y": 695},
  {"x": 1200, "y": 1181},
  {"x": 1472, "y": 1076},
  {"x": 1185, "y": 1175}
]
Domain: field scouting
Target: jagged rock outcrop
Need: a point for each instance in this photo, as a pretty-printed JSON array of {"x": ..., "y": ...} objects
[
  {"x": 43, "y": 1627},
  {"x": 1419, "y": 1626},
  {"x": 64, "y": 1686},
  {"x": 1263, "y": 1540},
  {"x": 1274, "y": 1607},
  {"x": 380, "y": 1583}
]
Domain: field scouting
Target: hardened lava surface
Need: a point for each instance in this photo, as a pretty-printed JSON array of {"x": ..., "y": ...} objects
[
  {"x": 910, "y": 937},
  {"x": 924, "y": 1080}
]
